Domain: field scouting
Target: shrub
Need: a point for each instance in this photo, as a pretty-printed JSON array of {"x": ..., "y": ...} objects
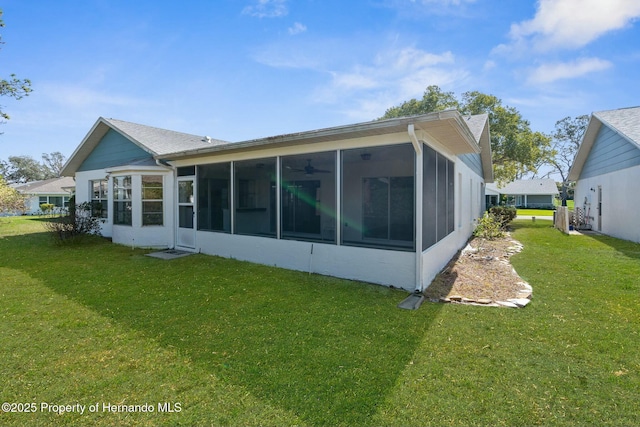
[
  {"x": 503, "y": 214},
  {"x": 47, "y": 208},
  {"x": 70, "y": 228},
  {"x": 489, "y": 227}
]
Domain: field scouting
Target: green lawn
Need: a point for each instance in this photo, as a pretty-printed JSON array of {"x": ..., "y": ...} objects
[
  {"x": 233, "y": 343},
  {"x": 535, "y": 212}
]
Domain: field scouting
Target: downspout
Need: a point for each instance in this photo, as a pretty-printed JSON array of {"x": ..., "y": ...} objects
[
  {"x": 160, "y": 163},
  {"x": 417, "y": 146}
]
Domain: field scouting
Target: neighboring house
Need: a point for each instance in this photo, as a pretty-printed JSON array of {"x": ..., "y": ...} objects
[
  {"x": 607, "y": 173},
  {"x": 525, "y": 193},
  {"x": 387, "y": 202},
  {"x": 55, "y": 191}
]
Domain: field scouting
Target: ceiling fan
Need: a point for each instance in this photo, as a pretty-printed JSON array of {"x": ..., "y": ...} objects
[{"x": 309, "y": 169}]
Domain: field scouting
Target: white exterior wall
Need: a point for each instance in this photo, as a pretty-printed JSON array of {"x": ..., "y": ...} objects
[
  {"x": 152, "y": 236},
  {"x": 468, "y": 207},
  {"x": 620, "y": 209},
  {"x": 33, "y": 205},
  {"x": 384, "y": 267}
]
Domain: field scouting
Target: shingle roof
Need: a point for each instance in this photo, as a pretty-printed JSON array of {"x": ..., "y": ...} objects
[
  {"x": 476, "y": 124},
  {"x": 625, "y": 120},
  {"x": 461, "y": 135},
  {"x": 162, "y": 141},
  {"x": 527, "y": 186},
  {"x": 155, "y": 141},
  {"x": 47, "y": 186}
]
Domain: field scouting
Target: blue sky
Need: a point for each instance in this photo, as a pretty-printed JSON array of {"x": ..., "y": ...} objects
[{"x": 242, "y": 69}]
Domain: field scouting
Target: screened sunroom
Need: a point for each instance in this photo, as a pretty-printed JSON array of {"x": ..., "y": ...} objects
[{"x": 359, "y": 203}]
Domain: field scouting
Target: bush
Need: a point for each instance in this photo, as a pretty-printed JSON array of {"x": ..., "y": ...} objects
[
  {"x": 47, "y": 208},
  {"x": 70, "y": 228},
  {"x": 503, "y": 214},
  {"x": 489, "y": 227}
]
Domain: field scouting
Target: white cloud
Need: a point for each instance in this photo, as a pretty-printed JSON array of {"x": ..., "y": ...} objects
[
  {"x": 73, "y": 96},
  {"x": 548, "y": 73},
  {"x": 297, "y": 29},
  {"x": 393, "y": 76},
  {"x": 267, "y": 9},
  {"x": 571, "y": 23}
]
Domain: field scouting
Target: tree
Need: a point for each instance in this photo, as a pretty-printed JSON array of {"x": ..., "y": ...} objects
[
  {"x": 20, "y": 169},
  {"x": 434, "y": 99},
  {"x": 10, "y": 199},
  {"x": 53, "y": 162},
  {"x": 13, "y": 87},
  {"x": 516, "y": 149},
  {"x": 565, "y": 143}
]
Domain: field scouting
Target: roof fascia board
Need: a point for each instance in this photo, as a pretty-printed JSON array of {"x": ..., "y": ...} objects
[
  {"x": 73, "y": 162},
  {"x": 485, "y": 153},
  {"x": 588, "y": 140},
  {"x": 91, "y": 141}
]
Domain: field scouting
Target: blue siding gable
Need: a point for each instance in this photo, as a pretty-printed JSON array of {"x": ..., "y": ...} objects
[
  {"x": 473, "y": 161},
  {"x": 113, "y": 150},
  {"x": 610, "y": 152}
]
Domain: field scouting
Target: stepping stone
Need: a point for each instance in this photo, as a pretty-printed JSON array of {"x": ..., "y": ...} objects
[
  {"x": 520, "y": 302},
  {"x": 412, "y": 302},
  {"x": 507, "y": 304},
  {"x": 484, "y": 301}
]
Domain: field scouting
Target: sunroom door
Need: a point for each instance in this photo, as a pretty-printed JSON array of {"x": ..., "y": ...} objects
[{"x": 186, "y": 235}]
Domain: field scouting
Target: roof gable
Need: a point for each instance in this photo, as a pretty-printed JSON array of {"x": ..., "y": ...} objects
[
  {"x": 150, "y": 140},
  {"x": 615, "y": 135},
  {"x": 114, "y": 149}
]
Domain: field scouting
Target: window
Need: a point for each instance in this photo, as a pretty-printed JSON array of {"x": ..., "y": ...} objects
[
  {"x": 255, "y": 187},
  {"x": 56, "y": 201},
  {"x": 152, "y": 208},
  {"x": 122, "y": 200},
  {"x": 438, "y": 211},
  {"x": 378, "y": 197},
  {"x": 99, "y": 195},
  {"x": 308, "y": 197},
  {"x": 213, "y": 197}
]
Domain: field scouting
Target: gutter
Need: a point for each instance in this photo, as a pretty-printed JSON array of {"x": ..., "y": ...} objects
[
  {"x": 163, "y": 163},
  {"x": 417, "y": 146}
]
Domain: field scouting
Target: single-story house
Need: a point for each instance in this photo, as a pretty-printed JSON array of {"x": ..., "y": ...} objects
[
  {"x": 607, "y": 173},
  {"x": 524, "y": 193},
  {"x": 388, "y": 201},
  {"x": 54, "y": 191}
]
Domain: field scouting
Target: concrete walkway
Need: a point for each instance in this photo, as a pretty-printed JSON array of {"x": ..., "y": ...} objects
[{"x": 543, "y": 218}]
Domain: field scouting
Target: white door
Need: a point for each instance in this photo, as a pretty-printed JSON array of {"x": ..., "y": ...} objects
[{"x": 186, "y": 236}]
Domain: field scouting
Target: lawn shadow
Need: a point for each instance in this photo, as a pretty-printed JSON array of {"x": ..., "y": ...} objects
[
  {"x": 441, "y": 285},
  {"x": 328, "y": 350},
  {"x": 624, "y": 247}
]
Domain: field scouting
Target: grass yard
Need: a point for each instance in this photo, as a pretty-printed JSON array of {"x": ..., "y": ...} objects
[
  {"x": 535, "y": 212},
  {"x": 223, "y": 342}
]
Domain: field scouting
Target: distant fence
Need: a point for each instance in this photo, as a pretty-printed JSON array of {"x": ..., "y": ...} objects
[{"x": 562, "y": 219}]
